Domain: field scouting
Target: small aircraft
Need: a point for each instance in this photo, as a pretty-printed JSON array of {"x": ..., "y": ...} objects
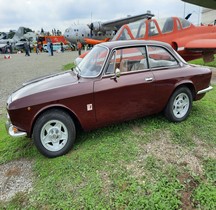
[
  {"x": 100, "y": 30},
  {"x": 18, "y": 38},
  {"x": 190, "y": 41},
  {"x": 207, "y": 3}
]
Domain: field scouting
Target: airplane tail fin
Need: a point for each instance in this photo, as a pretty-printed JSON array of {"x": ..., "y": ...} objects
[{"x": 19, "y": 33}]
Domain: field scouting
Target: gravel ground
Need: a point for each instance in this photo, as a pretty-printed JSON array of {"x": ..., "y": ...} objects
[
  {"x": 17, "y": 176},
  {"x": 18, "y": 69}
]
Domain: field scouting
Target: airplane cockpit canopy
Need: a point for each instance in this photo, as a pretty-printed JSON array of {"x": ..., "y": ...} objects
[
  {"x": 166, "y": 25},
  {"x": 184, "y": 23},
  {"x": 140, "y": 29}
]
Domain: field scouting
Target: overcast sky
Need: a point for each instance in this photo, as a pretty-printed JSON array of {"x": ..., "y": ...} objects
[{"x": 60, "y": 14}]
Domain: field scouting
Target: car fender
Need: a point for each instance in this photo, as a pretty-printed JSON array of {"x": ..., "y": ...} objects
[
  {"x": 72, "y": 114},
  {"x": 186, "y": 83}
]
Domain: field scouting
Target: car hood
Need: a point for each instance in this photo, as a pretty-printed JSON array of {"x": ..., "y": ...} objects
[{"x": 45, "y": 83}]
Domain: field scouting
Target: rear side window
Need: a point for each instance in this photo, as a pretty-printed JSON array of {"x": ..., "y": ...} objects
[{"x": 160, "y": 57}]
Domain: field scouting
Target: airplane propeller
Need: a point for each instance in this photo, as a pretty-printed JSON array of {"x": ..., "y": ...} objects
[
  {"x": 91, "y": 26},
  {"x": 188, "y": 16}
]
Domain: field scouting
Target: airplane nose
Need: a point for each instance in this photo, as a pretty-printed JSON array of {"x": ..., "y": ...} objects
[{"x": 66, "y": 35}]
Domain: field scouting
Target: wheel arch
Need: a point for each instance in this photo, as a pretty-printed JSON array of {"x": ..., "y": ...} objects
[
  {"x": 56, "y": 107},
  {"x": 176, "y": 111},
  {"x": 187, "y": 84}
]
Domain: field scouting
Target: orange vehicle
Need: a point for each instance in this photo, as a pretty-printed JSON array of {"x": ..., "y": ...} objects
[
  {"x": 56, "y": 40},
  {"x": 53, "y": 39}
]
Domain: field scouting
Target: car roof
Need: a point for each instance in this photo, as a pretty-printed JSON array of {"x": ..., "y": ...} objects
[{"x": 115, "y": 44}]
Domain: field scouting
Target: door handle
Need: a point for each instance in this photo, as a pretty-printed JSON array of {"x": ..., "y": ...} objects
[{"x": 148, "y": 79}]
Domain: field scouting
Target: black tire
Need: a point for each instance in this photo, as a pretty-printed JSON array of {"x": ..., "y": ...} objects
[
  {"x": 179, "y": 105},
  {"x": 54, "y": 133}
]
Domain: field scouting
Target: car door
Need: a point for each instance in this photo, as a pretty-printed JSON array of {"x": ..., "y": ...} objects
[
  {"x": 128, "y": 96},
  {"x": 167, "y": 72}
]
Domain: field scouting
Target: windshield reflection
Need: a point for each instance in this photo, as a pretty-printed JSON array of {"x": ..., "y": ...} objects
[{"x": 92, "y": 63}]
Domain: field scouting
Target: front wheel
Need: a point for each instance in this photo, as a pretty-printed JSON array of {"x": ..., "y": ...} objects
[
  {"x": 54, "y": 133},
  {"x": 179, "y": 105}
]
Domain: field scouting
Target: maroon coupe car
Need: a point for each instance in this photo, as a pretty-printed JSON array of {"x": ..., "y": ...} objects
[{"x": 116, "y": 81}]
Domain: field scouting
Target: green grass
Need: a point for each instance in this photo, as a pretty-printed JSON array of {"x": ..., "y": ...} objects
[
  {"x": 148, "y": 163},
  {"x": 68, "y": 66},
  {"x": 201, "y": 62}
]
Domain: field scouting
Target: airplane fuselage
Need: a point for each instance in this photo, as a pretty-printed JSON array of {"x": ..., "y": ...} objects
[{"x": 80, "y": 32}]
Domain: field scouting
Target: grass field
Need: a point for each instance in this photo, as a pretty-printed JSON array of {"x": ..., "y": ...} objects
[
  {"x": 201, "y": 62},
  {"x": 149, "y": 163}
]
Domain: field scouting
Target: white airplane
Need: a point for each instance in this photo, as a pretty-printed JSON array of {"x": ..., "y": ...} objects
[{"x": 100, "y": 30}]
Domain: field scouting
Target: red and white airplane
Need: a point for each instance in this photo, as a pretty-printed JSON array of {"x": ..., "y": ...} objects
[{"x": 189, "y": 41}]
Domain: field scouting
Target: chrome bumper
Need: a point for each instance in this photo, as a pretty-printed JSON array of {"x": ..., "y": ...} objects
[
  {"x": 205, "y": 90},
  {"x": 10, "y": 129}
]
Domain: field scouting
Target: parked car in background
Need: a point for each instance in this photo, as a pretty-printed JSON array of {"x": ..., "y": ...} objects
[{"x": 116, "y": 81}]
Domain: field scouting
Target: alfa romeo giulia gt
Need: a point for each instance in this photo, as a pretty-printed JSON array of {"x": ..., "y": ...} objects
[{"x": 115, "y": 82}]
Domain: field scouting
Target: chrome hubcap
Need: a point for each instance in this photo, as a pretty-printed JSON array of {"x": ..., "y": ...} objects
[
  {"x": 181, "y": 105},
  {"x": 54, "y": 135}
]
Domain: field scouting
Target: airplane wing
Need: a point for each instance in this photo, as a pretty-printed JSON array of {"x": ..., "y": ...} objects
[
  {"x": 2, "y": 45},
  {"x": 207, "y": 3},
  {"x": 95, "y": 41},
  {"x": 201, "y": 45},
  {"x": 119, "y": 22},
  {"x": 205, "y": 46}
]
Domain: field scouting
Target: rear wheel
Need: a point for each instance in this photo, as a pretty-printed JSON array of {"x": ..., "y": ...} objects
[
  {"x": 54, "y": 133},
  {"x": 179, "y": 105}
]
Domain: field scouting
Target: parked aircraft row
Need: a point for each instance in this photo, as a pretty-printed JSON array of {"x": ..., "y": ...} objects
[
  {"x": 100, "y": 30},
  {"x": 18, "y": 39},
  {"x": 190, "y": 41}
]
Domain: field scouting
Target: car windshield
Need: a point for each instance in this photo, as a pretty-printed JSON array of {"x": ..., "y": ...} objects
[{"x": 92, "y": 63}]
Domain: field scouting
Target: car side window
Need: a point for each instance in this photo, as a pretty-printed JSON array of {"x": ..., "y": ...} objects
[
  {"x": 160, "y": 57},
  {"x": 127, "y": 60}
]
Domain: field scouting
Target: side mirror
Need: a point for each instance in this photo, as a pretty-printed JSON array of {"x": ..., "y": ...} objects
[{"x": 117, "y": 72}]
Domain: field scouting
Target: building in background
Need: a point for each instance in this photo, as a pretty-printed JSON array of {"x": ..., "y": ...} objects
[{"x": 208, "y": 16}]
